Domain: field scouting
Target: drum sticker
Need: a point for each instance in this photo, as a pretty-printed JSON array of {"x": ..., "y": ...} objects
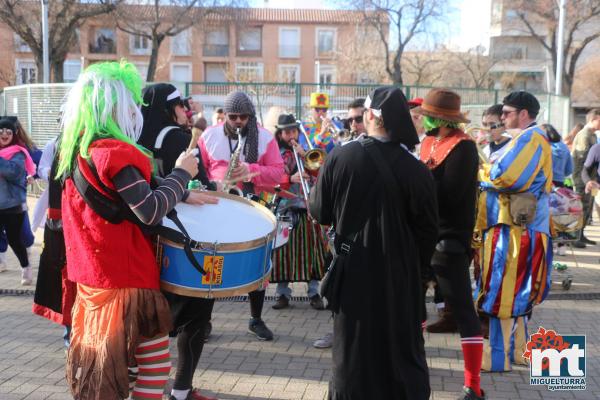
[{"x": 213, "y": 265}]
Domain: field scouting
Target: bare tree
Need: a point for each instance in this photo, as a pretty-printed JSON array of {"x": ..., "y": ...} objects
[
  {"x": 477, "y": 65},
  {"x": 397, "y": 23},
  {"x": 155, "y": 20},
  {"x": 540, "y": 19},
  {"x": 422, "y": 68},
  {"x": 64, "y": 18}
]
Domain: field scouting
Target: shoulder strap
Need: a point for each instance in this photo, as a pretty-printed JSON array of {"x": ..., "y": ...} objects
[{"x": 161, "y": 136}]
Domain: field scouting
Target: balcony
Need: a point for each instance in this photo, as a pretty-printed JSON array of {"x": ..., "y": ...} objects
[
  {"x": 289, "y": 51},
  {"x": 215, "y": 50}
]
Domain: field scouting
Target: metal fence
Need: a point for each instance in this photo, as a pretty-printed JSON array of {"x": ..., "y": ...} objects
[{"x": 38, "y": 105}]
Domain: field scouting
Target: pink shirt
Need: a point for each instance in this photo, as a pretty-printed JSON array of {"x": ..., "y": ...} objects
[{"x": 216, "y": 152}]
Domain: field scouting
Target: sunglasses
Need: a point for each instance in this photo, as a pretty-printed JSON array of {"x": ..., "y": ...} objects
[
  {"x": 506, "y": 112},
  {"x": 358, "y": 120},
  {"x": 320, "y": 109},
  {"x": 235, "y": 117},
  {"x": 6, "y": 131}
]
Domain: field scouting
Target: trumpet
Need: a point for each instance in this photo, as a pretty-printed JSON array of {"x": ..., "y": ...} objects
[
  {"x": 303, "y": 184},
  {"x": 314, "y": 158},
  {"x": 469, "y": 131}
]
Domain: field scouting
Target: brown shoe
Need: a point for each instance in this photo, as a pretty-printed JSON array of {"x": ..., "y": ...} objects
[
  {"x": 446, "y": 324},
  {"x": 281, "y": 303}
]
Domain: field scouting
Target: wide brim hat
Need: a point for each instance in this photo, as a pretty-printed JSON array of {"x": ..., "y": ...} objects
[
  {"x": 443, "y": 104},
  {"x": 286, "y": 121}
]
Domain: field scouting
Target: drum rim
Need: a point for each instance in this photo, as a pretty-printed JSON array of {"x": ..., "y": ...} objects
[
  {"x": 234, "y": 246},
  {"x": 229, "y": 292}
]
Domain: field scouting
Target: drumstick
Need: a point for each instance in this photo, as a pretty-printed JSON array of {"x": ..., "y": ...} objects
[
  {"x": 194, "y": 140},
  {"x": 287, "y": 193}
]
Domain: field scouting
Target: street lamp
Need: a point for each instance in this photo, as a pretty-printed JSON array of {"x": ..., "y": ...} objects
[
  {"x": 318, "y": 68},
  {"x": 561, "y": 46},
  {"x": 46, "y": 55}
]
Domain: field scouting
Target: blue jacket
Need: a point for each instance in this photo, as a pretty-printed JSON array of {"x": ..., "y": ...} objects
[
  {"x": 13, "y": 189},
  {"x": 562, "y": 163}
]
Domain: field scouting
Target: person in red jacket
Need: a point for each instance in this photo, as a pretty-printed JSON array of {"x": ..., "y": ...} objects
[{"x": 120, "y": 318}]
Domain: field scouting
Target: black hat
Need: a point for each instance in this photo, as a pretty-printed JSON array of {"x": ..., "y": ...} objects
[
  {"x": 522, "y": 100},
  {"x": 389, "y": 103},
  {"x": 286, "y": 121},
  {"x": 8, "y": 123}
]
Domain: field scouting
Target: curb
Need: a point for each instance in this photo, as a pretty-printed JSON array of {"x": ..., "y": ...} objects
[{"x": 429, "y": 299}]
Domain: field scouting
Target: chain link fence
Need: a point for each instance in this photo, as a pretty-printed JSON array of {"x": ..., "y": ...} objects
[{"x": 38, "y": 105}]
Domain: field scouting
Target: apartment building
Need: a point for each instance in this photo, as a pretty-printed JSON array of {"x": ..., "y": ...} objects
[
  {"x": 252, "y": 44},
  {"x": 522, "y": 63}
]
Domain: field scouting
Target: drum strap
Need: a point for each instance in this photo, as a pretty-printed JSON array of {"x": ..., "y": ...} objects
[{"x": 114, "y": 210}]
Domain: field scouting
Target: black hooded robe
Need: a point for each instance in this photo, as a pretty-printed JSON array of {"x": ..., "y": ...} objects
[{"x": 378, "y": 346}]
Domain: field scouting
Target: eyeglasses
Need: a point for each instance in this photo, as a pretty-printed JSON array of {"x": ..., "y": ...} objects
[
  {"x": 493, "y": 125},
  {"x": 506, "y": 112},
  {"x": 358, "y": 120},
  {"x": 320, "y": 110},
  {"x": 6, "y": 131},
  {"x": 235, "y": 117}
]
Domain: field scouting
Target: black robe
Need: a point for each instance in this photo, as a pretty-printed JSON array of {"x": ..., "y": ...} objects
[{"x": 378, "y": 347}]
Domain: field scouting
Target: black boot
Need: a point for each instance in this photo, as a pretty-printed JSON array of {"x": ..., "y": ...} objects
[{"x": 469, "y": 394}]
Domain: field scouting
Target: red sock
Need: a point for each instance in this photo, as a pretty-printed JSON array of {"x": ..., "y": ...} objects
[{"x": 472, "y": 348}]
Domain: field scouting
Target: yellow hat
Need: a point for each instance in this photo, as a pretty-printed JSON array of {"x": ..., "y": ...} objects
[{"x": 319, "y": 100}]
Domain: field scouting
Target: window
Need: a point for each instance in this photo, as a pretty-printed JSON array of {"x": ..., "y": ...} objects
[
  {"x": 181, "y": 72},
  {"x": 26, "y": 72},
  {"x": 103, "y": 40},
  {"x": 71, "y": 70},
  {"x": 249, "y": 72},
  {"x": 289, "y": 73},
  {"x": 250, "y": 42},
  {"x": 326, "y": 75},
  {"x": 325, "y": 42},
  {"x": 289, "y": 42},
  {"x": 180, "y": 44},
  {"x": 139, "y": 44},
  {"x": 20, "y": 45},
  {"x": 142, "y": 69},
  {"x": 364, "y": 78},
  {"x": 215, "y": 72},
  {"x": 216, "y": 43}
]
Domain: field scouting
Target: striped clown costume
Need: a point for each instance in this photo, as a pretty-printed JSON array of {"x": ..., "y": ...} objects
[{"x": 515, "y": 260}]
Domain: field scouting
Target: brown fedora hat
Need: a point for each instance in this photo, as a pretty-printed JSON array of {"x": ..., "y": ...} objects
[{"x": 443, "y": 104}]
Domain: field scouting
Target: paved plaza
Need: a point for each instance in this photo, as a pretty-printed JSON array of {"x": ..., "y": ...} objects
[{"x": 236, "y": 366}]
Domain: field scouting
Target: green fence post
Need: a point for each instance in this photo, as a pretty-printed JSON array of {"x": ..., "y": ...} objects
[
  {"x": 407, "y": 92},
  {"x": 495, "y": 96},
  {"x": 549, "y": 105},
  {"x": 298, "y": 100},
  {"x": 187, "y": 89}
]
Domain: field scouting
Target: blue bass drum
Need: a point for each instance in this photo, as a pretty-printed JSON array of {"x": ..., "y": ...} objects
[{"x": 234, "y": 238}]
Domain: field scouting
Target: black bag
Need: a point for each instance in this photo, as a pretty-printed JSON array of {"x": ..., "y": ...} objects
[{"x": 331, "y": 283}]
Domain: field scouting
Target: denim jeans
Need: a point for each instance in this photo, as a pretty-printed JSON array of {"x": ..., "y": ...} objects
[{"x": 283, "y": 288}]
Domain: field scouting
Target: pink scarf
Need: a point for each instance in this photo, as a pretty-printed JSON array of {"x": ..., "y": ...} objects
[{"x": 8, "y": 152}]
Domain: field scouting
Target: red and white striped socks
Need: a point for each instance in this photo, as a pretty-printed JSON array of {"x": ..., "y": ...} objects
[
  {"x": 472, "y": 348},
  {"x": 154, "y": 363}
]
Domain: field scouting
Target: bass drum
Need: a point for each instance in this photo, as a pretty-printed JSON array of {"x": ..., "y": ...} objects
[{"x": 235, "y": 238}]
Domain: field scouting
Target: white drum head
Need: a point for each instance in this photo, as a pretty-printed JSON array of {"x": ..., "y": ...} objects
[{"x": 229, "y": 221}]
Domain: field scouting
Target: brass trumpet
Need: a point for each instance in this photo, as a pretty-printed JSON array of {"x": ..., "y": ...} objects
[{"x": 314, "y": 158}]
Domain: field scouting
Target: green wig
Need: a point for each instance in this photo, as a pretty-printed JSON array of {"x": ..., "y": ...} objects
[
  {"x": 103, "y": 103},
  {"x": 430, "y": 123}
]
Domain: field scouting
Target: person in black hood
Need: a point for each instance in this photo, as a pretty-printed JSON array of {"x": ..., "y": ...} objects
[
  {"x": 164, "y": 116},
  {"x": 164, "y": 132}
]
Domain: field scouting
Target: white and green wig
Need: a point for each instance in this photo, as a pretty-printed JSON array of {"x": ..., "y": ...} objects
[{"x": 103, "y": 103}]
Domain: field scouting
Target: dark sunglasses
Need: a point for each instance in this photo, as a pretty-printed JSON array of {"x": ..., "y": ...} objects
[
  {"x": 320, "y": 109},
  {"x": 506, "y": 112},
  {"x": 235, "y": 117},
  {"x": 358, "y": 120}
]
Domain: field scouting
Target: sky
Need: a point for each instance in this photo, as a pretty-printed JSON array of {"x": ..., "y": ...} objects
[{"x": 472, "y": 29}]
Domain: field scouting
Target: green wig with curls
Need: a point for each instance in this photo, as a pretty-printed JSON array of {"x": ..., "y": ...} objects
[
  {"x": 103, "y": 103},
  {"x": 430, "y": 123}
]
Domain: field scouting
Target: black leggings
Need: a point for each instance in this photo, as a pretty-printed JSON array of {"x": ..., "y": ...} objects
[
  {"x": 190, "y": 342},
  {"x": 452, "y": 274},
  {"x": 12, "y": 224},
  {"x": 257, "y": 299}
]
